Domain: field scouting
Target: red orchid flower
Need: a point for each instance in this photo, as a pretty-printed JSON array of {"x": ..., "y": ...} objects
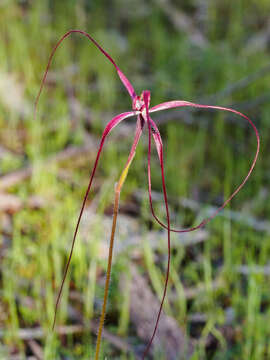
[{"x": 140, "y": 108}]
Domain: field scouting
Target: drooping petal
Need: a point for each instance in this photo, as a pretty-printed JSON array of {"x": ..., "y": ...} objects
[
  {"x": 157, "y": 137},
  {"x": 159, "y": 147},
  {"x": 114, "y": 122}
]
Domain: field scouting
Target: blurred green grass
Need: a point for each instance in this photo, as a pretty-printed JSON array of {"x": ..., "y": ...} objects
[{"x": 205, "y": 160}]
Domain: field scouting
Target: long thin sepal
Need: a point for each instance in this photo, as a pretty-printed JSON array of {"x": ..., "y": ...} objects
[
  {"x": 114, "y": 122},
  {"x": 159, "y": 147},
  {"x": 157, "y": 137}
]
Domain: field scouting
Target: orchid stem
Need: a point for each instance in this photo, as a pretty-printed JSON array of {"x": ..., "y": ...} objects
[{"x": 109, "y": 266}]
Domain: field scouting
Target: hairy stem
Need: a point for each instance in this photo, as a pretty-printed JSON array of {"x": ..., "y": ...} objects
[{"x": 109, "y": 266}]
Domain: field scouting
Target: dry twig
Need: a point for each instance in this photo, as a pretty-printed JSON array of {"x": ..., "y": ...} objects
[
  {"x": 36, "y": 349},
  {"x": 170, "y": 339}
]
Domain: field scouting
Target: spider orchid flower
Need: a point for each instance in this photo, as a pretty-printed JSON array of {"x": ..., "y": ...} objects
[{"x": 142, "y": 110}]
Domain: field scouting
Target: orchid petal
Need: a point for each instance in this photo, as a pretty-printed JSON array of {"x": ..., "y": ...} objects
[
  {"x": 178, "y": 103},
  {"x": 114, "y": 122}
]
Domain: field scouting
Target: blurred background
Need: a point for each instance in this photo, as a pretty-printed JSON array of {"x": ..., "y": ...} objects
[{"x": 219, "y": 292}]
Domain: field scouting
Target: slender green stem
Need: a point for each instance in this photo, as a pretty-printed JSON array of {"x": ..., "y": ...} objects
[{"x": 109, "y": 266}]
